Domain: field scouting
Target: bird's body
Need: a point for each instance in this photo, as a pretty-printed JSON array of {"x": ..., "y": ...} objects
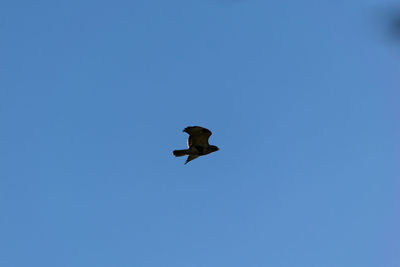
[{"x": 197, "y": 143}]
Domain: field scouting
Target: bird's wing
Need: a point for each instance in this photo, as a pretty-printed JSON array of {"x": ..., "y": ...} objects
[{"x": 198, "y": 136}]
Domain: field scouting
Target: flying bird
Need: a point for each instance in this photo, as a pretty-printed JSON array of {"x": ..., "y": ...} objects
[
  {"x": 197, "y": 143},
  {"x": 395, "y": 25},
  {"x": 390, "y": 20}
]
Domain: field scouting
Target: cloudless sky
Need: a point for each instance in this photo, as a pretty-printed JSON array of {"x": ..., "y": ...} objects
[{"x": 302, "y": 98}]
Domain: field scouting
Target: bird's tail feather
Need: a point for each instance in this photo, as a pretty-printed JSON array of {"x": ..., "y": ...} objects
[{"x": 180, "y": 153}]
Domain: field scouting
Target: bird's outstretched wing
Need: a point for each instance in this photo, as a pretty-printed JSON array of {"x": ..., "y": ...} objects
[{"x": 198, "y": 136}]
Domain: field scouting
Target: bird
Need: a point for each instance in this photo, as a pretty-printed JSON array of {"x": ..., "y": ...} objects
[
  {"x": 197, "y": 143},
  {"x": 395, "y": 25},
  {"x": 390, "y": 20}
]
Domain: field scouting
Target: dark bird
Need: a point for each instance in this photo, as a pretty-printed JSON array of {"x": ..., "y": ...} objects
[
  {"x": 394, "y": 25},
  {"x": 197, "y": 143},
  {"x": 390, "y": 20}
]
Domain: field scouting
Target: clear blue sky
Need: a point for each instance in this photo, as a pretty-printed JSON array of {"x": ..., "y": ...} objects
[{"x": 302, "y": 98}]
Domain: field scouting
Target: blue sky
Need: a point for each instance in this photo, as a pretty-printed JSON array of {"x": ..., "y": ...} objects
[{"x": 301, "y": 96}]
